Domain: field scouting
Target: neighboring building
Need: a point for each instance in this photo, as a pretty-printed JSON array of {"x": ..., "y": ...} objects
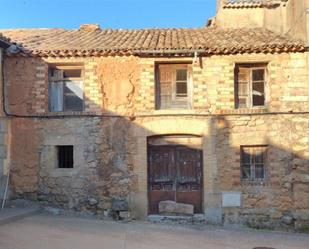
[
  {"x": 216, "y": 117},
  {"x": 4, "y": 44}
]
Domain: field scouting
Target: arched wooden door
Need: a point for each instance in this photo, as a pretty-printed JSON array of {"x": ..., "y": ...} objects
[{"x": 174, "y": 173}]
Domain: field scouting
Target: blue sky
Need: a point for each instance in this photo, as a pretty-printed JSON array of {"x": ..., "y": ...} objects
[{"x": 108, "y": 13}]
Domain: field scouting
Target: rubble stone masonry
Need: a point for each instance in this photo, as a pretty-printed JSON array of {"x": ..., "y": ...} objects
[{"x": 110, "y": 149}]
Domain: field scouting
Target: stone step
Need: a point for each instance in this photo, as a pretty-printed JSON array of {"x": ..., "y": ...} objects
[{"x": 195, "y": 219}]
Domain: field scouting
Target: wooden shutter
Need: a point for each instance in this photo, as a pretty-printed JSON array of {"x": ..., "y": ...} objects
[
  {"x": 258, "y": 86},
  {"x": 56, "y": 96},
  {"x": 166, "y": 76},
  {"x": 173, "y": 89},
  {"x": 243, "y": 87}
]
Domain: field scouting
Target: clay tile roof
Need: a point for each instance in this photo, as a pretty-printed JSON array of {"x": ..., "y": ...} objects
[
  {"x": 208, "y": 40},
  {"x": 4, "y": 42},
  {"x": 252, "y": 3}
]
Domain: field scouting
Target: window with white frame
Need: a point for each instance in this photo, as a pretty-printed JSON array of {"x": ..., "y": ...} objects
[
  {"x": 173, "y": 86},
  {"x": 250, "y": 85},
  {"x": 253, "y": 162},
  {"x": 66, "y": 88}
]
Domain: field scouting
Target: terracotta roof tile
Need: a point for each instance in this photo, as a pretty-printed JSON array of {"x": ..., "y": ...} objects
[
  {"x": 252, "y": 3},
  {"x": 210, "y": 40}
]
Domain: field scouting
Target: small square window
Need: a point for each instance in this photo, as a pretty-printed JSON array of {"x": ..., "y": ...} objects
[
  {"x": 253, "y": 162},
  {"x": 65, "y": 156}
]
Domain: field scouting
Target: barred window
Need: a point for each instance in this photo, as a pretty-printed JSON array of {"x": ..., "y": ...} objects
[
  {"x": 66, "y": 88},
  {"x": 253, "y": 161}
]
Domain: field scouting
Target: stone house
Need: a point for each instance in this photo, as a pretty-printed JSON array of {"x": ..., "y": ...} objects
[{"x": 216, "y": 117}]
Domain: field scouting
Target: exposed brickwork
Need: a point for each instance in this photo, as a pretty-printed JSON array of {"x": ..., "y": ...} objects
[
  {"x": 40, "y": 88},
  {"x": 200, "y": 88},
  {"x": 145, "y": 100},
  {"x": 92, "y": 89}
]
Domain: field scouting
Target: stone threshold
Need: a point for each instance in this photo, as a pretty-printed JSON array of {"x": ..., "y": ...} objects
[{"x": 195, "y": 219}]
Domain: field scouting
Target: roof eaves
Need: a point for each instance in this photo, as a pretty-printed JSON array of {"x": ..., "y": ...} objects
[
  {"x": 165, "y": 52},
  {"x": 4, "y": 43},
  {"x": 239, "y": 4}
]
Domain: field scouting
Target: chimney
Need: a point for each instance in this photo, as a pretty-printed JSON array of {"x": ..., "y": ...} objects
[
  {"x": 89, "y": 27},
  {"x": 220, "y": 3}
]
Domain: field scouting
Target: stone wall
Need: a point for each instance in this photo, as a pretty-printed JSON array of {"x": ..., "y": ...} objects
[
  {"x": 102, "y": 163},
  {"x": 110, "y": 149},
  {"x": 24, "y": 156},
  {"x": 283, "y": 198}
]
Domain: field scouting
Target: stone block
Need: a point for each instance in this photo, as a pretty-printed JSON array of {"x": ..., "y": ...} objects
[
  {"x": 124, "y": 215},
  {"x": 231, "y": 199},
  {"x": 92, "y": 201},
  {"x": 171, "y": 207}
]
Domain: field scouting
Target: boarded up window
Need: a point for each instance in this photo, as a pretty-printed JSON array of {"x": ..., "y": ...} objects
[
  {"x": 173, "y": 86},
  {"x": 250, "y": 82},
  {"x": 253, "y": 162},
  {"x": 65, "y": 89}
]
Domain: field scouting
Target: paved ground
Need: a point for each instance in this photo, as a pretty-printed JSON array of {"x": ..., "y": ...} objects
[
  {"x": 58, "y": 232},
  {"x": 9, "y": 214}
]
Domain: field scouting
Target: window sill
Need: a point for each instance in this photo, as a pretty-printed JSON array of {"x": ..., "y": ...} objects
[
  {"x": 248, "y": 183},
  {"x": 64, "y": 172},
  {"x": 253, "y": 110},
  {"x": 66, "y": 113}
]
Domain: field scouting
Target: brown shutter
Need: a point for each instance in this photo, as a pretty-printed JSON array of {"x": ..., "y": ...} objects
[
  {"x": 243, "y": 87},
  {"x": 166, "y": 76}
]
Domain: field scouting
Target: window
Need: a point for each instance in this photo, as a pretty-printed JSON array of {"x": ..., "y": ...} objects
[
  {"x": 66, "y": 89},
  {"x": 250, "y": 82},
  {"x": 253, "y": 162},
  {"x": 173, "y": 86},
  {"x": 65, "y": 156}
]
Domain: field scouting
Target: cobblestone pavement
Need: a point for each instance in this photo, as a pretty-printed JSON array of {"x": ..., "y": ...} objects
[{"x": 60, "y": 232}]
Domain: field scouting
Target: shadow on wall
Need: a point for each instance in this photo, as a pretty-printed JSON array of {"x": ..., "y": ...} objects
[
  {"x": 110, "y": 151},
  {"x": 274, "y": 189}
]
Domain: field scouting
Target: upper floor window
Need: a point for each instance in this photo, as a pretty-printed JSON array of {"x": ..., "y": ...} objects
[
  {"x": 173, "y": 86},
  {"x": 253, "y": 159},
  {"x": 250, "y": 85},
  {"x": 66, "y": 88}
]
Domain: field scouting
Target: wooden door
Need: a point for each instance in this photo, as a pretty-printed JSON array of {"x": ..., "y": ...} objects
[{"x": 174, "y": 173}]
